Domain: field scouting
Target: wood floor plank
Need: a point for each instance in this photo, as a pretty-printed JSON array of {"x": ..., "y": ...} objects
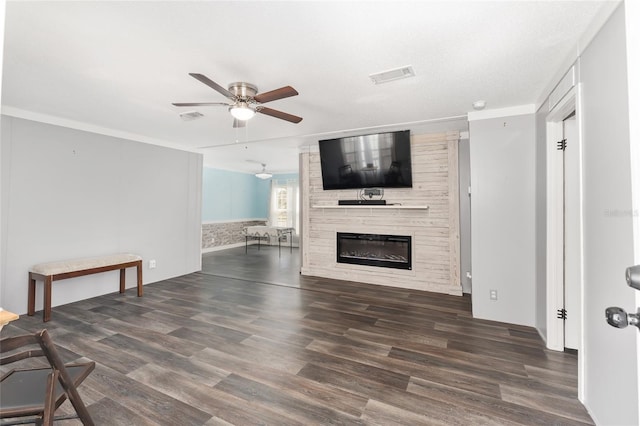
[
  {"x": 106, "y": 411},
  {"x": 100, "y": 353},
  {"x": 412, "y": 341},
  {"x": 155, "y": 353},
  {"x": 358, "y": 369},
  {"x": 300, "y": 387},
  {"x": 165, "y": 339},
  {"x": 295, "y": 408},
  {"x": 267, "y": 357},
  {"x": 447, "y": 376},
  {"x": 500, "y": 408},
  {"x": 567, "y": 407},
  {"x": 381, "y": 414},
  {"x": 140, "y": 398},
  {"x": 447, "y": 413}
]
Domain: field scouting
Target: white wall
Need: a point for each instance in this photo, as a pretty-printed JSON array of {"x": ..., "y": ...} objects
[
  {"x": 503, "y": 217},
  {"x": 68, "y": 193},
  {"x": 611, "y": 374}
]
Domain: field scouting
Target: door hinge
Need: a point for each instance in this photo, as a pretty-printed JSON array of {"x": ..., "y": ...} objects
[
  {"x": 562, "y": 145},
  {"x": 562, "y": 314}
]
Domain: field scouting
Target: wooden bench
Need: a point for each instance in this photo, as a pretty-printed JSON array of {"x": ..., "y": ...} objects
[{"x": 55, "y": 271}]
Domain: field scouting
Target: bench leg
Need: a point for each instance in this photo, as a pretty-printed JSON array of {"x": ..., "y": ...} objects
[
  {"x": 31, "y": 308},
  {"x": 46, "y": 315},
  {"x": 122, "y": 275},
  {"x": 139, "y": 271}
]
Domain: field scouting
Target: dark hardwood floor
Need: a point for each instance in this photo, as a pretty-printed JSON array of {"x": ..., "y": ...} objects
[{"x": 249, "y": 341}]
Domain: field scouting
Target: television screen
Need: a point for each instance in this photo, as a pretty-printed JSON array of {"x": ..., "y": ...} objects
[{"x": 381, "y": 160}]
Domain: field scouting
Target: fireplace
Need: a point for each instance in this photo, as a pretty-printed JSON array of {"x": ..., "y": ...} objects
[{"x": 388, "y": 251}]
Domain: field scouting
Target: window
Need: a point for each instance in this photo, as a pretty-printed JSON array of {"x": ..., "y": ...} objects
[{"x": 284, "y": 203}]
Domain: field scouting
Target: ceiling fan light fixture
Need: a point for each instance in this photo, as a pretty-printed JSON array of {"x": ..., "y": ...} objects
[
  {"x": 263, "y": 174},
  {"x": 242, "y": 112}
]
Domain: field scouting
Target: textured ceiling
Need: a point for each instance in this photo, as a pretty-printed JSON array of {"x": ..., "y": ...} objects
[{"x": 120, "y": 65}]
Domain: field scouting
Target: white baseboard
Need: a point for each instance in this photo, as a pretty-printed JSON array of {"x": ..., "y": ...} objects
[
  {"x": 251, "y": 242},
  {"x": 228, "y": 246}
]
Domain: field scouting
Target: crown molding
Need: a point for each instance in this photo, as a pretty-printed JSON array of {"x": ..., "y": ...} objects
[
  {"x": 502, "y": 112},
  {"x": 91, "y": 128}
]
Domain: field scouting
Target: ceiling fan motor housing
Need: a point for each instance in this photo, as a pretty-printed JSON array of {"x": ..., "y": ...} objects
[{"x": 244, "y": 91}]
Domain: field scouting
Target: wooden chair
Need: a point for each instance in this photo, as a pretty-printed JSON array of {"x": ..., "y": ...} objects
[{"x": 37, "y": 392}]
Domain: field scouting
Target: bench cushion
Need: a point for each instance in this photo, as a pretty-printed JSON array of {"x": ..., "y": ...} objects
[{"x": 54, "y": 268}]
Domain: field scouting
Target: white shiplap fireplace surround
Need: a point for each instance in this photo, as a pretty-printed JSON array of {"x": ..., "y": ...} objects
[{"x": 428, "y": 212}]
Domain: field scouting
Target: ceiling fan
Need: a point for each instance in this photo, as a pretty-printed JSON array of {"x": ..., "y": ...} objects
[
  {"x": 245, "y": 100},
  {"x": 264, "y": 174}
]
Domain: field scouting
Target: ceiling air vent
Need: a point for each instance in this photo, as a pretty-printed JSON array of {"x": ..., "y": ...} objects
[
  {"x": 190, "y": 115},
  {"x": 394, "y": 74}
]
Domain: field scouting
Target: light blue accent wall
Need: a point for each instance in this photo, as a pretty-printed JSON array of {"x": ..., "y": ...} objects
[
  {"x": 228, "y": 195},
  {"x": 286, "y": 176},
  {"x": 262, "y": 195}
]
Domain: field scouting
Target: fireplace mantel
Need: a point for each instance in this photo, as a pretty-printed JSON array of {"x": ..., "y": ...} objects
[{"x": 386, "y": 206}]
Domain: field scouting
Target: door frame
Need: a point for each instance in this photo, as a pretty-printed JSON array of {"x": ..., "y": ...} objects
[{"x": 555, "y": 228}]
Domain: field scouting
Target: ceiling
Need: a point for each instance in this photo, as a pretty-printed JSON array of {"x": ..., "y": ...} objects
[{"x": 120, "y": 65}]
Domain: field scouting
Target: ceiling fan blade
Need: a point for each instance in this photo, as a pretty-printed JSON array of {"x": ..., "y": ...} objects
[
  {"x": 184, "y": 104},
  {"x": 283, "y": 92},
  {"x": 215, "y": 86},
  {"x": 239, "y": 123},
  {"x": 279, "y": 114}
]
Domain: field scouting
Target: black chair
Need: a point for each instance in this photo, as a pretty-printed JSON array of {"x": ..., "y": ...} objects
[{"x": 37, "y": 392}]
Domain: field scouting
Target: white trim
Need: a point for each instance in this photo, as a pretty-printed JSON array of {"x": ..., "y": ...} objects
[
  {"x": 464, "y": 135},
  {"x": 213, "y": 222},
  {"x": 563, "y": 87},
  {"x": 501, "y": 112},
  {"x": 228, "y": 246},
  {"x": 581, "y": 302},
  {"x": 555, "y": 242},
  {"x": 555, "y": 229},
  {"x": 313, "y": 137},
  {"x": 77, "y": 125},
  {"x": 606, "y": 10}
]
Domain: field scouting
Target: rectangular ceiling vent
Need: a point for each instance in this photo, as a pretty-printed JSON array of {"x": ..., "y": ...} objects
[
  {"x": 394, "y": 74},
  {"x": 190, "y": 115}
]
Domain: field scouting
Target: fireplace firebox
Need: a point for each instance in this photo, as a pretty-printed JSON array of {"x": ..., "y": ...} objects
[{"x": 388, "y": 251}]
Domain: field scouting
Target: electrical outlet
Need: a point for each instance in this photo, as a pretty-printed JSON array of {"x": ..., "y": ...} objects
[
  {"x": 152, "y": 263},
  {"x": 493, "y": 294}
]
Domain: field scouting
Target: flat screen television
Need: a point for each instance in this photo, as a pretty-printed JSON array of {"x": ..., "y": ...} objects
[{"x": 381, "y": 160}]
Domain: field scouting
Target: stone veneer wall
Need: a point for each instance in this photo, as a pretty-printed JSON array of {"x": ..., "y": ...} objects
[{"x": 225, "y": 233}]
